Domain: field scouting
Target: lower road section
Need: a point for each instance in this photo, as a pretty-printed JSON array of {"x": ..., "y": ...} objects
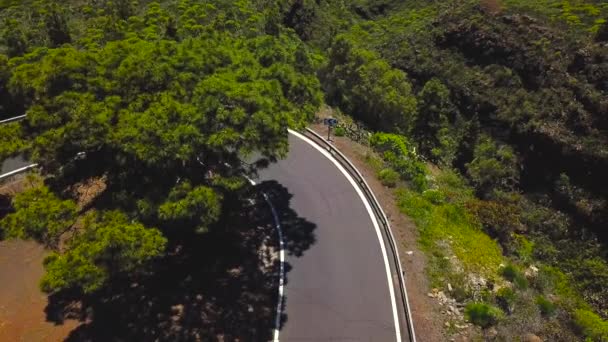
[
  {"x": 13, "y": 164},
  {"x": 337, "y": 289}
]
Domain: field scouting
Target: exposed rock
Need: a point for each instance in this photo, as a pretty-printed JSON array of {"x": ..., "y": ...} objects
[
  {"x": 531, "y": 272},
  {"x": 531, "y": 338},
  {"x": 491, "y": 333}
]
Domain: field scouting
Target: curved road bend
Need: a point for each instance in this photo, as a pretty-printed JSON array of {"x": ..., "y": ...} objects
[{"x": 338, "y": 289}]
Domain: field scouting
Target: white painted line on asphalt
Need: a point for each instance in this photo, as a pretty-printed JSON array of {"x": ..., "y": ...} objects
[
  {"x": 277, "y": 222},
  {"x": 374, "y": 221}
]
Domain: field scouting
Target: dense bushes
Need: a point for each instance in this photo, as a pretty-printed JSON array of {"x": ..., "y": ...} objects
[
  {"x": 170, "y": 96},
  {"x": 482, "y": 314},
  {"x": 591, "y": 325},
  {"x": 514, "y": 275},
  {"x": 388, "y": 177},
  {"x": 546, "y": 306},
  {"x": 439, "y": 126},
  {"x": 399, "y": 154},
  {"x": 364, "y": 85},
  {"x": 494, "y": 167}
]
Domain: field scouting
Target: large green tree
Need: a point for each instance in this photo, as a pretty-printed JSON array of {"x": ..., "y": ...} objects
[
  {"x": 361, "y": 83},
  {"x": 164, "y": 114}
]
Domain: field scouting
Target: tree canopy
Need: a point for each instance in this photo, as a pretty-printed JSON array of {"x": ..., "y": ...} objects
[{"x": 161, "y": 101}]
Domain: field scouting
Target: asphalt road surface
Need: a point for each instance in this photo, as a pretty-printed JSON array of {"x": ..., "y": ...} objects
[
  {"x": 13, "y": 164},
  {"x": 337, "y": 290}
]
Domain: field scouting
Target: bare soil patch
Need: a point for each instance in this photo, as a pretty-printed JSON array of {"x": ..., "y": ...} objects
[{"x": 22, "y": 304}]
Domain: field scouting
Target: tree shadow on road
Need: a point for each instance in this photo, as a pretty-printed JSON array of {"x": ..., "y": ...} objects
[{"x": 221, "y": 285}]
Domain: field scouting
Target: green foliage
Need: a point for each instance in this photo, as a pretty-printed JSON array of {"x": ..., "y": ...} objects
[
  {"x": 398, "y": 153},
  {"x": 367, "y": 87},
  {"x": 591, "y": 276},
  {"x": 546, "y": 306},
  {"x": 436, "y": 113},
  {"x": 500, "y": 219},
  {"x": 374, "y": 161},
  {"x": 167, "y": 97},
  {"x": 506, "y": 298},
  {"x": 339, "y": 131},
  {"x": 187, "y": 203},
  {"x": 434, "y": 196},
  {"x": 107, "y": 243},
  {"x": 449, "y": 223},
  {"x": 39, "y": 215},
  {"x": 482, "y": 314},
  {"x": 524, "y": 248},
  {"x": 578, "y": 14},
  {"x": 494, "y": 167},
  {"x": 511, "y": 273},
  {"x": 11, "y": 140},
  {"x": 388, "y": 177},
  {"x": 591, "y": 325},
  {"x": 164, "y": 98}
]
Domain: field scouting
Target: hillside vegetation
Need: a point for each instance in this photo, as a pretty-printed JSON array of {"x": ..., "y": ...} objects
[
  {"x": 494, "y": 113},
  {"x": 512, "y": 96}
]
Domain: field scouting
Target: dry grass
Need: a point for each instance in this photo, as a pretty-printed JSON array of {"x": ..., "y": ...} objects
[{"x": 492, "y": 7}]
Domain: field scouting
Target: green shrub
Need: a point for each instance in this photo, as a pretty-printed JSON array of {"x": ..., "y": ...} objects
[
  {"x": 434, "y": 196},
  {"x": 374, "y": 161},
  {"x": 545, "y": 306},
  {"x": 514, "y": 275},
  {"x": 591, "y": 325},
  {"x": 397, "y": 151},
  {"x": 339, "y": 131},
  {"x": 388, "y": 177},
  {"x": 419, "y": 183},
  {"x": 482, "y": 314},
  {"x": 505, "y": 297}
]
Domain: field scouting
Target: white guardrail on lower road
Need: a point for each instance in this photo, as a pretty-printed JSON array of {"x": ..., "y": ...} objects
[
  {"x": 382, "y": 218},
  {"x": 16, "y": 118},
  {"x": 8, "y": 175}
]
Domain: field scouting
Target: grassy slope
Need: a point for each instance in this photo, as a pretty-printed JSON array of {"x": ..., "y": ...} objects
[{"x": 447, "y": 228}]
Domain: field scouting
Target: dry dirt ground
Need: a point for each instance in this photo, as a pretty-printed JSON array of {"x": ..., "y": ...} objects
[
  {"x": 22, "y": 304},
  {"x": 426, "y": 313}
]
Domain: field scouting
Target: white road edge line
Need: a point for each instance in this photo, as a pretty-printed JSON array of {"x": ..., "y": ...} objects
[
  {"x": 277, "y": 222},
  {"x": 374, "y": 221}
]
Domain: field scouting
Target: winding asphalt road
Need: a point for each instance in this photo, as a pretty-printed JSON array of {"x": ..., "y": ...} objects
[{"x": 338, "y": 290}]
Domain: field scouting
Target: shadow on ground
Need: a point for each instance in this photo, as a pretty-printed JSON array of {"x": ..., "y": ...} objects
[{"x": 221, "y": 285}]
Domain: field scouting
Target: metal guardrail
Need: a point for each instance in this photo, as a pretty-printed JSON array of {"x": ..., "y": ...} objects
[
  {"x": 16, "y": 118},
  {"x": 382, "y": 218},
  {"x": 10, "y": 175}
]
